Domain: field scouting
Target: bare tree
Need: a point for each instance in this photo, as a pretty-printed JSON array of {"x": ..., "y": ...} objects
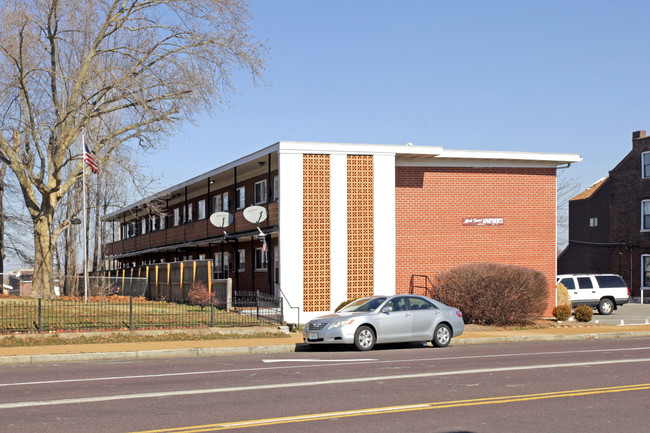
[
  {"x": 567, "y": 188},
  {"x": 129, "y": 70}
]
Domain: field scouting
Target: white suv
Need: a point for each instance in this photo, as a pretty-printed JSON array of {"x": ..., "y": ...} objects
[{"x": 604, "y": 291}]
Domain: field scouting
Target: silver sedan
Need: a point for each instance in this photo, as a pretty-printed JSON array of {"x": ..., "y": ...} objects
[{"x": 387, "y": 319}]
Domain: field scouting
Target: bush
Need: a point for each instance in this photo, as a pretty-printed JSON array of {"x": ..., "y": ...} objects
[
  {"x": 344, "y": 303},
  {"x": 199, "y": 295},
  {"x": 563, "y": 295},
  {"x": 562, "y": 312},
  {"x": 583, "y": 313},
  {"x": 495, "y": 294}
]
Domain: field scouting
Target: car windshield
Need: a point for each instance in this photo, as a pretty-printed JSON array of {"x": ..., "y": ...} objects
[{"x": 363, "y": 304}]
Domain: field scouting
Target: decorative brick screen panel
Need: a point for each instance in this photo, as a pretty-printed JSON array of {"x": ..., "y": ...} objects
[
  {"x": 316, "y": 232},
  {"x": 360, "y": 226}
]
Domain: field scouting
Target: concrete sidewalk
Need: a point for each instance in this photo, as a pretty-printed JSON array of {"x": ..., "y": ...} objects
[{"x": 289, "y": 343}]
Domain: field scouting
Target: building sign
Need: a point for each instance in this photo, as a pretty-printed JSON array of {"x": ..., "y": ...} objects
[{"x": 482, "y": 221}]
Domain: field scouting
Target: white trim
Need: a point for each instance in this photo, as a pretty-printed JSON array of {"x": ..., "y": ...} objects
[
  {"x": 643, "y": 227},
  {"x": 643, "y": 166},
  {"x": 473, "y": 163},
  {"x": 290, "y": 237},
  {"x": 385, "y": 232},
  {"x": 338, "y": 230},
  {"x": 643, "y": 286}
]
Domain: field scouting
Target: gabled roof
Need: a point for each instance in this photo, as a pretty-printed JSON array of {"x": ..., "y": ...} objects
[{"x": 590, "y": 190}]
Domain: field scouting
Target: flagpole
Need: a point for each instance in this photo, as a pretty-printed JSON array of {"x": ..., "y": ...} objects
[{"x": 85, "y": 235}]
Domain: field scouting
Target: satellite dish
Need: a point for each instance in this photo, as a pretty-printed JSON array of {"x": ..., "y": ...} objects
[
  {"x": 255, "y": 214},
  {"x": 221, "y": 219}
]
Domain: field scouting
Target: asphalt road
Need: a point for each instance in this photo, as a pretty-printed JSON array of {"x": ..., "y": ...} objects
[{"x": 589, "y": 385}]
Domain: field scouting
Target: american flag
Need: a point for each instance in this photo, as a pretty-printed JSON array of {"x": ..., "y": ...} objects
[{"x": 88, "y": 158}]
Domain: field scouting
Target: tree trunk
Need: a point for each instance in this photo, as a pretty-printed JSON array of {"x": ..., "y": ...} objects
[
  {"x": 43, "y": 282},
  {"x": 3, "y": 171}
]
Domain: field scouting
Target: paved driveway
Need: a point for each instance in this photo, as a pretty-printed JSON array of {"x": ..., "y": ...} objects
[{"x": 630, "y": 314}]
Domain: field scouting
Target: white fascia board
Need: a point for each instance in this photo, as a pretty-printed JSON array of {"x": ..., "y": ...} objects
[
  {"x": 355, "y": 148},
  {"x": 196, "y": 179},
  {"x": 472, "y": 158}
]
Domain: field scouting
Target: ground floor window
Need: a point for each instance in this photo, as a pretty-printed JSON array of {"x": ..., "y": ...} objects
[
  {"x": 645, "y": 268},
  {"x": 241, "y": 264},
  {"x": 221, "y": 267},
  {"x": 260, "y": 259}
]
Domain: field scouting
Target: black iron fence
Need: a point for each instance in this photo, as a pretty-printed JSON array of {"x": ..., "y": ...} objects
[{"x": 42, "y": 315}]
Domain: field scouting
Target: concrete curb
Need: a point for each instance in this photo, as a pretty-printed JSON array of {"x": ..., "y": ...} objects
[{"x": 279, "y": 348}]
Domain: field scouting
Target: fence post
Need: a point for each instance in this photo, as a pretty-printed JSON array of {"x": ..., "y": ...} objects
[
  {"x": 257, "y": 303},
  {"x": 211, "y": 312},
  {"x": 131, "y": 312},
  {"x": 40, "y": 317}
]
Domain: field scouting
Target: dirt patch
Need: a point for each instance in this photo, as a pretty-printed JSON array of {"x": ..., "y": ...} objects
[{"x": 537, "y": 324}]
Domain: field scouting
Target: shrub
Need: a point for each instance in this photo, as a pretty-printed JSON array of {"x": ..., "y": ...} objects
[
  {"x": 495, "y": 294},
  {"x": 563, "y": 295},
  {"x": 199, "y": 295},
  {"x": 562, "y": 312},
  {"x": 583, "y": 313}
]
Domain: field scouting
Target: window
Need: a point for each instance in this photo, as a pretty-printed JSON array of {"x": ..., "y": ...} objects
[
  {"x": 190, "y": 212},
  {"x": 152, "y": 222},
  {"x": 568, "y": 283},
  {"x": 593, "y": 222},
  {"x": 645, "y": 165},
  {"x": 240, "y": 198},
  {"x": 276, "y": 186},
  {"x": 260, "y": 259},
  {"x": 241, "y": 265},
  {"x": 585, "y": 283},
  {"x": 226, "y": 206},
  {"x": 201, "y": 208},
  {"x": 610, "y": 281},
  {"x": 177, "y": 216},
  {"x": 645, "y": 269},
  {"x": 645, "y": 215},
  {"x": 421, "y": 304},
  {"x": 221, "y": 268},
  {"x": 260, "y": 192},
  {"x": 162, "y": 222},
  {"x": 216, "y": 203},
  {"x": 143, "y": 226},
  {"x": 132, "y": 229}
]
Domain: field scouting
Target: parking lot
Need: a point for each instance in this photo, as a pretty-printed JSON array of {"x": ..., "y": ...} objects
[{"x": 628, "y": 314}]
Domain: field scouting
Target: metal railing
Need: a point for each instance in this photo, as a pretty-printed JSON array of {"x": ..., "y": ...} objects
[
  {"x": 427, "y": 287},
  {"x": 130, "y": 313}
]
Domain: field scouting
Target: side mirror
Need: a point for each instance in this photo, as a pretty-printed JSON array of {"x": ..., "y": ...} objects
[{"x": 386, "y": 310}]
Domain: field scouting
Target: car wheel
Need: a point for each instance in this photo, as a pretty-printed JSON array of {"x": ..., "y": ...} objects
[
  {"x": 364, "y": 338},
  {"x": 441, "y": 336},
  {"x": 605, "y": 307}
]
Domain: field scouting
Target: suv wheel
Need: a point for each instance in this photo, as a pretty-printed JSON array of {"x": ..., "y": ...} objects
[{"x": 605, "y": 307}]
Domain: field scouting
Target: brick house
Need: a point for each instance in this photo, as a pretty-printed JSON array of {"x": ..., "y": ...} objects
[
  {"x": 609, "y": 223},
  {"x": 350, "y": 220}
]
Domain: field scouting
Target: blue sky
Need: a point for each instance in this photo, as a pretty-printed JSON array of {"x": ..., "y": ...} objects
[{"x": 552, "y": 76}]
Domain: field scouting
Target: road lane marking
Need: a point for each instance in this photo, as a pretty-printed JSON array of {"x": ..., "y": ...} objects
[
  {"x": 349, "y": 361},
  {"x": 272, "y": 361},
  {"x": 399, "y": 409},
  {"x": 16, "y": 405}
]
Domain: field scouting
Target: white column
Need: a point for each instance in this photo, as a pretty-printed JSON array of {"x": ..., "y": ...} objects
[
  {"x": 384, "y": 224},
  {"x": 338, "y": 229},
  {"x": 290, "y": 236}
]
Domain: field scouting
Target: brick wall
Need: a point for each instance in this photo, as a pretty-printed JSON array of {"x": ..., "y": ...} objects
[{"x": 431, "y": 203}]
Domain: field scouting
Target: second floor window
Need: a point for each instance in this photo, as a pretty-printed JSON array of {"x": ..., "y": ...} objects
[
  {"x": 143, "y": 226},
  {"x": 593, "y": 222},
  {"x": 645, "y": 165},
  {"x": 260, "y": 192},
  {"x": 201, "y": 207},
  {"x": 240, "y": 198},
  {"x": 177, "y": 216},
  {"x": 645, "y": 215}
]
